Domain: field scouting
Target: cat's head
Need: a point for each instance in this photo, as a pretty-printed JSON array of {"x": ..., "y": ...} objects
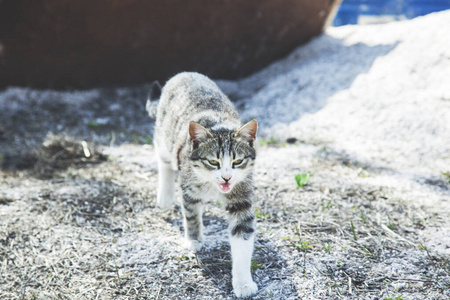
[{"x": 223, "y": 157}]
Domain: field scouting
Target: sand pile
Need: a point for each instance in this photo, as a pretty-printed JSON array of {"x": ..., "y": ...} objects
[{"x": 381, "y": 93}]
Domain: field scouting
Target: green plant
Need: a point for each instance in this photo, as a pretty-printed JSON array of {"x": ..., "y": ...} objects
[
  {"x": 270, "y": 141},
  {"x": 93, "y": 125},
  {"x": 302, "y": 179},
  {"x": 328, "y": 249},
  {"x": 260, "y": 214},
  {"x": 363, "y": 218},
  {"x": 390, "y": 225},
  {"x": 363, "y": 173},
  {"x": 297, "y": 242},
  {"x": 366, "y": 251},
  {"x": 282, "y": 203},
  {"x": 422, "y": 247},
  {"x": 303, "y": 246},
  {"x": 398, "y": 297},
  {"x": 255, "y": 265},
  {"x": 328, "y": 205},
  {"x": 446, "y": 175},
  {"x": 353, "y": 230},
  {"x": 148, "y": 139}
]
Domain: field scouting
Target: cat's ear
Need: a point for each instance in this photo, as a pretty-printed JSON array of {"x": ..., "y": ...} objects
[
  {"x": 248, "y": 131},
  {"x": 197, "y": 132}
]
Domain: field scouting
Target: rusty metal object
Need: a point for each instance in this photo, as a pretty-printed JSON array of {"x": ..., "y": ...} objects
[{"x": 81, "y": 44}]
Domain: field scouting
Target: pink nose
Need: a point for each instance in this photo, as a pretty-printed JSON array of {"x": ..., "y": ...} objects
[{"x": 226, "y": 177}]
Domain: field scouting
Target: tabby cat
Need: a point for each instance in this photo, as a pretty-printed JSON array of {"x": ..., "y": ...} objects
[{"x": 199, "y": 138}]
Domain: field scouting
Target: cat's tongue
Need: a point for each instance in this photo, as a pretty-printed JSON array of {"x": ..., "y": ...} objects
[{"x": 225, "y": 187}]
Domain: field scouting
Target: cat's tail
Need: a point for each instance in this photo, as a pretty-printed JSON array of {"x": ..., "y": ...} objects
[{"x": 152, "y": 99}]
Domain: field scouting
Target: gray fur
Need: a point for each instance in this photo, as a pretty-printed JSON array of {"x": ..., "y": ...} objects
[{"x": 198, "y": 134}]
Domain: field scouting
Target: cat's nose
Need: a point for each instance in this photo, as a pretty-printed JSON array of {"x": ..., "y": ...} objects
[{"x": 226, "y": 177}]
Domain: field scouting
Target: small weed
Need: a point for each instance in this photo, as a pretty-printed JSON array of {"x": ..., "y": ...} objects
[
  {"x": 260, "y": 215},
  {"x": 255, "y": 265},
  {"x": 299, "y": 244},
  {"x": 390, "y": 225},
  {"x": 328, "y": 205},
  {"x": 363, "y": 218},
  {"x": 117, "y": 270},
  {"x": 338, "y": 263},
  {"x": 367, "y": 251},
  {"x": 328, "y": 249},
  {"x": 446, "y": 175},
  {"x": 149, "y": 140},
  {"x": 268, "y": 142},
  {"x": 422, "y": 247},
  {"x": 93, "y": 125},
  {"x": 302, "y": 179},
  {"x": 398, "y": 297},
  {"x": 297, "y": 231},
  {"x": 135, "y": 139},
  {"x": 353, "y": 230},
  {"x": 363, "y": 173},
  {"x": 264, "y": 231},
  {"x": 303, "y": 246},
  {"x": 282, "y": 202},
  {"x": 182, "y": 258}
]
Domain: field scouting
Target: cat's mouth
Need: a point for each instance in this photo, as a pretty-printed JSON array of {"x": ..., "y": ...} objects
[{"x": 225, "y": 187}]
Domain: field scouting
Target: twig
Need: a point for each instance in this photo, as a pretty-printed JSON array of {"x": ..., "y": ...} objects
[
  {"x": 395, "y": 235},
  {"x": 349, "y": 285},
  {"x": 86, "y": 151},
  {"x": 159, "y": 291}
]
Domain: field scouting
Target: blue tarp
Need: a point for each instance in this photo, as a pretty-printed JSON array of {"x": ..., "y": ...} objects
[{"x": 350, "y": 10}]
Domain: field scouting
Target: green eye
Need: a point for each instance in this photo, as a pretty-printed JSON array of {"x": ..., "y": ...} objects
[
  {"x": 237, "y": 162},
  {"x": 213, "y": 162}
]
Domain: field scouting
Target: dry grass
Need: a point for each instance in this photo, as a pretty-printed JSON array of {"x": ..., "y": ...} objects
[
  {"x": 74, "y": 226},
  {"x": 91, "y": 231}
]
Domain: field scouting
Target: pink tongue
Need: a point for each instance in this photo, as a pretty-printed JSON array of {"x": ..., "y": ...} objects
[{"x": 225, "y": 187}]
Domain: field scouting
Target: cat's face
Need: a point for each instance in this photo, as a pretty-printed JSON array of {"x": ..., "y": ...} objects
[{"x": 223, "y": 158}]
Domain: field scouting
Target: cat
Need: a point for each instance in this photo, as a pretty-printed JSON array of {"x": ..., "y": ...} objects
[{"x": 199, "y": 138}]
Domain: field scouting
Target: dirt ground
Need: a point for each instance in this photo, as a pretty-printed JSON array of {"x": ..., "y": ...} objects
[{"x": 78, "y": 218}]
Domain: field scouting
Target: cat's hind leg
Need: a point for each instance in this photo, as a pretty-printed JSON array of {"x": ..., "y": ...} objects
[{"x": 165, "y": 196}]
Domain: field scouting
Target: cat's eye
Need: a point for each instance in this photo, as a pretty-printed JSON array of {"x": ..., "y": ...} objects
[
  {"x": 213, "y": 162},
  {"x": 237, "y": 162}
]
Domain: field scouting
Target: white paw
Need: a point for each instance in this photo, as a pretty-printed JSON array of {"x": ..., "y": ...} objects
[
  {"x": 245, "y": 289},
  {"x": 164, "y": 201},
  {"x": 194, "y": 245}
]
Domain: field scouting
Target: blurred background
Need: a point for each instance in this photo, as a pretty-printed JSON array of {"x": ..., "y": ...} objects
[
  {"x": 63, "y": 44},
  {"x": 380, "y": 11}
]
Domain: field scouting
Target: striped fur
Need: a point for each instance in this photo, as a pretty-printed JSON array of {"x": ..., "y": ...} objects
[{"x": 199, "y": 136}]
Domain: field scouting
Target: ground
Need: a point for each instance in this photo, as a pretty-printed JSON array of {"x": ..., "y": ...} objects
[{"x": 78, "y": 218}]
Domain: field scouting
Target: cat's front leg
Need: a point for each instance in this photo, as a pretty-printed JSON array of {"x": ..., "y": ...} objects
[
  {"x": 242, "y": 236},
  {"x": 193, "y": 222}
]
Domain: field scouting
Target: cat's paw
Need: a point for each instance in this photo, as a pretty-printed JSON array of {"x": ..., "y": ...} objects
[
  {"x": 194, "y": 245},
  {"x": 245, "y": 289},
  {"x": 165, "y": 201}
]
